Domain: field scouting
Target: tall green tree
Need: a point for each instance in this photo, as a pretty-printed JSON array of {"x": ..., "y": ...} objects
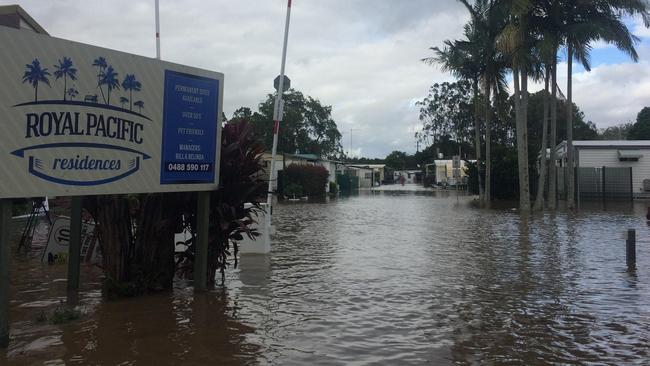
[
  {"x": 641, "y": 129},
  {"x": 618, "y": 132},
  {"x": 448, "y": 110},
  {"x": 65, "y": 69},
  {"x": 489, "y": 19},
  {"x": 34, "y": 75},
  {"x": 462, "y": 58},
  {"x": 584, "y": 23},
  {"x": 518, "y": 40},
  {"x": 307, "y": 125}
]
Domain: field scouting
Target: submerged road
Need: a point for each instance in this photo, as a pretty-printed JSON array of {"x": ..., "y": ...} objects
[{"x": 392, "y": 278}]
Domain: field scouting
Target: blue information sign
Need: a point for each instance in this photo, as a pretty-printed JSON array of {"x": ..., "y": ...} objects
[{"x": 189, "y": 129}]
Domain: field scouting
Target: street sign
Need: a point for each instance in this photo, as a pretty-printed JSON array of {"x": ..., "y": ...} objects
[
  {"x": 58, "y": 242},
  {"x": 84, "y": 120},
  {"x": 285, "y": 86}
]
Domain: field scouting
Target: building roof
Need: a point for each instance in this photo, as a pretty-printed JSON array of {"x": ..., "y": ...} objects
[
  {"x": 308, "y": 157},
  {"x": 614, "y": 144},
  {"x": 16, "y": 17},
  {"x": 375, "y": 166},
  {"x": 365, "y": 167}
]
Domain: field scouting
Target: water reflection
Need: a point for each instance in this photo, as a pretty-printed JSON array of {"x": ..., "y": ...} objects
[{"x": 377, "y": 278}]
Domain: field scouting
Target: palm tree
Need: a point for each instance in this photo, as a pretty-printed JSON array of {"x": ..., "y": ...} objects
[
  {"x": 584, "y": 23},
  {"x": 547, "y": 24},
  {"x": 109, "y": 78},
  {"x": 520, "y": 40},
  {"x": 488, "y": 18},
  {"x": 35, "y": 75},
  {"x": 123, "y": 101},
  {"x": 130, "y": 83},
  {"x": 101, "y": 64},
  {"x": 65, "y": 70},
  {"x": 72, "y": 93},
  {"x": 462, "y": 59},
  {"x": 139, "y": 104}
]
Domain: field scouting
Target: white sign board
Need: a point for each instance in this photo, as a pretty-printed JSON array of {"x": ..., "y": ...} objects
[
  {"x": 81, "y": 120},
  {"x": 58, "y": 242}
]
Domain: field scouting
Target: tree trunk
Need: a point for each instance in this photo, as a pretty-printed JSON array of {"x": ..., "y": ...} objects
[
  {"x": 552, "y": 174},
  {"x": 154, "y": 245},
  {"x": 36, "y": 92},
  {"x": 522, "y": 138},
  {"x": 141, "y": 263},
  {"x": 477, "y": 140},
  {"x": 488, "y": 153},
  {"x": 114, "y": 227},
  {"x": 541, "y": 181},
  {"x": 65, "y": 85},
  {"x": 570, "y": 166}
]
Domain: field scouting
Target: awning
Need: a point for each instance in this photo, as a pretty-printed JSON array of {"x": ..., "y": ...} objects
[{"x": 630, "y": 154}]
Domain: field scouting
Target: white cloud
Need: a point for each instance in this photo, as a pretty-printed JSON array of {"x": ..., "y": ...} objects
[
  {"x": 611, "y": 93},
  {"x": 361, "y": 57}
]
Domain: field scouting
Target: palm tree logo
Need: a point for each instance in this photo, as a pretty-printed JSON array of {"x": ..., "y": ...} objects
[
  {"x": 130, "y": 83},
  {"x": 34, "y": 75},
  {"x": 65, "y": 70},
  {"x": 139, "y": 104},
  {"x": 123, "y": 101},
  {"x": 101, "y": 64},
  {"x": 109, "y": 78},
  {"x": 72, "y": 92}
]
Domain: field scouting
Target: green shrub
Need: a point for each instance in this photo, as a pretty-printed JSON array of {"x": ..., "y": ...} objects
[
  {"x": 505, "y": 176},
  {"x": 293, "y": 189},
  {"x": 312, "y": 179}
]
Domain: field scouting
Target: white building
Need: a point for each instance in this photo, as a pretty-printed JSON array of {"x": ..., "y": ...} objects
[
  {"x": 410, "y": 176},
  {"x": 599, "y": 154},
  {"x": 444, "y": 172},
  {"x": 364, "y": 173}
]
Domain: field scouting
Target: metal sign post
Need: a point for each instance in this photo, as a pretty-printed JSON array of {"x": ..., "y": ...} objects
[
  {"x": 129, "y": 124},
  {"x": 277, "y": 117}
]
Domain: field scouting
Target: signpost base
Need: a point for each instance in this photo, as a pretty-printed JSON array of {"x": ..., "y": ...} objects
[
  {"x": 261, "y": 244},
  {"x": 5, "y": 252},
  {"x": 74, "y": 250},
  {"x": 201, "y": 249}
]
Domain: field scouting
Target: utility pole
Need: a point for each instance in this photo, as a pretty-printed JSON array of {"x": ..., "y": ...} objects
[
  {"x": 277, "y": 117},
  {"x": 157, "y": 30},
  {"x": 350, "y": 151}
]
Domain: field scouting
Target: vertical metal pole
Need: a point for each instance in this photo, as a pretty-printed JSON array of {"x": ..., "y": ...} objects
[
  {"x": 5, "y": 226},
  {"x": 630, "y": 248},
  {"x": 604, "y": 185},
  {"x": 74, "y": 249},
  {"x": 631, "y": 186},
  {"x": 277, "y": 117},
  {"x": 157, "y": 30},
  {"x": 201, "y": 250}
]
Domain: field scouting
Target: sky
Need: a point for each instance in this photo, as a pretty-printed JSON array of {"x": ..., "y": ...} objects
[{"x": 362, "y": 57}]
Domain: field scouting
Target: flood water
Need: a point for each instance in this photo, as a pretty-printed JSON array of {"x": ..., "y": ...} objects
[{"x": 384, "y": 278}]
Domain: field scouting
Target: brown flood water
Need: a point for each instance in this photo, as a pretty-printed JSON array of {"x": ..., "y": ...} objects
[{"x": 385, "y": 278}]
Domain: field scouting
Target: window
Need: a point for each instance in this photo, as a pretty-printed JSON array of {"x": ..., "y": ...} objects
[{"x": 368, "y": 175}]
